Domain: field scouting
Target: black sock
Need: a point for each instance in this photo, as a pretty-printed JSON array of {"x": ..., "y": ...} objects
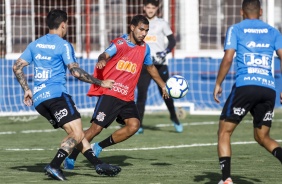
[
  {"x": 277, "y": 152},
  {"x": 74, "y": 154},
  {"x": 107, "y": 142},
  {"x": 58, "y": 159},
  {"x": 225, "y": 167},
  {"x": 89, "y": 154}
]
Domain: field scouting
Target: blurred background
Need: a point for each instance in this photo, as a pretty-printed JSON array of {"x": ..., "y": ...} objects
[{"x": 198, "y": 25}]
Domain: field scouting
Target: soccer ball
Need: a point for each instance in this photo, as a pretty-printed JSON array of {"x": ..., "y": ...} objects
[{"x": 177, "y": 86}]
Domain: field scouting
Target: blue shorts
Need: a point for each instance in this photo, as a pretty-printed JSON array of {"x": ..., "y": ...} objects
[
  {"x": 109, "y": 108},
  {"x": 257, "y": 100}
]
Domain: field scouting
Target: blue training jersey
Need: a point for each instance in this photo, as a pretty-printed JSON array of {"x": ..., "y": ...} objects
[
  {"x": 112, "y": 50},
  {"x": 254, "y": 42},
  {"x": 50, "y": 55}
]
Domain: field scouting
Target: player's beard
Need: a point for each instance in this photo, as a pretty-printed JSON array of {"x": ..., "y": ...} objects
[{"x": 136, "y": 39}]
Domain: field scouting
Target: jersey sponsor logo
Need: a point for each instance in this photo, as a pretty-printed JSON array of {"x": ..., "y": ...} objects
[
  {"x": 253, "y": 44},
  {"x": 150, "y": 38},
  {"x": 40, "y": 57},
  {"x": 258, "y": 71},
  {"x": 45, "y": 46},
  {"x": 126, "y": 66},
  {"x": 229, "y": 34},
  {"x": 42, "y": 96},
  {"x": 42, "y": 74},
  {"x": 59, "y": 115},
  {"x": 120, "y": 88},
  {"x": 262, "y": 80},
  {"x": 268, "y": 116},
  {"x": 100, "y": 116},
  {"x": 239, "y": 111},
  {"x": 38, "y": 88},
  {"x": 67, "y": 51},
  {"x": 256, "y": 59},
  {"x": 256, "y": 31}
]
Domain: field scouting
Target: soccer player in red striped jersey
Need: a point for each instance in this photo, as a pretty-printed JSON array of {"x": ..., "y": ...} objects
[{"x": 122, "y": 61}]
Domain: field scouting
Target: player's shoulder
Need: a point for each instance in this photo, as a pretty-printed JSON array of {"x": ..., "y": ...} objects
[{"x": 160, "y": 20}]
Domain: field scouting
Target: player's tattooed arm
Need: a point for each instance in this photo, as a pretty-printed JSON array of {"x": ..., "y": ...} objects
[
  {"x": 69, "y": 144},
  {"x": 82, "y": 75},
  {"x": 18, "y": 71}
]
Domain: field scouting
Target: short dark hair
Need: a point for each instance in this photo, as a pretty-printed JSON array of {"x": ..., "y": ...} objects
[
  {"x": 251, "y": 6},
  {"x": 153, "y": 2},
  {"x": 55, "y": 18},
  {"x": 139, "y": 18}
]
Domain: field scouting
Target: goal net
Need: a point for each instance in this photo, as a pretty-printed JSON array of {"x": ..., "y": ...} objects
[{"x": 198, "y": 25}]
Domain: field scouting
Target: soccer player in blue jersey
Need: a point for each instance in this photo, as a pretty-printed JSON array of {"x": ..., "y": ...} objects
[
  {"x": 254, "y": 42},
  {"x": 51, "y": 55}
]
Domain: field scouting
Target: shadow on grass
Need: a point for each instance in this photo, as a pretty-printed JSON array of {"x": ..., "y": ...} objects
[
  {"x": 215, "y": 177},
  {"x": 39, "y": 168},
  {"x": 120, "y": 160},
  {"x": 154, "y": 128}
]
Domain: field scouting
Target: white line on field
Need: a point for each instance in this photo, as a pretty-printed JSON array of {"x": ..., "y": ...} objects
[
  {"x": 117, "y": 127},
  {"x": 145, "y": 149}
]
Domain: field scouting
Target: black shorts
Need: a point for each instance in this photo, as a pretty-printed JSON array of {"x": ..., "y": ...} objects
[
  {"x": 109, "y": 108},
  {"x": 59, "y": 111},
  {"x": 259, "y": 101}
]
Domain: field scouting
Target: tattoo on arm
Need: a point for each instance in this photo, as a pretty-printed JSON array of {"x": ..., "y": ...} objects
[
  {"x": 18, "y": 71},
  {"x": 83, "y": 75},
  {"x": 69, "y": 144}
]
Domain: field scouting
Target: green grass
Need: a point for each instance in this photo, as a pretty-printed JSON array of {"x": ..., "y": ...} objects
[{"x": 161, "y": 156}]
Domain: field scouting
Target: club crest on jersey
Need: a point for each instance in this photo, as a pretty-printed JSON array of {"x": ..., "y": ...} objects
[
  {"x": 120, "y": 42},
  {"x": 100, "y": 116}
]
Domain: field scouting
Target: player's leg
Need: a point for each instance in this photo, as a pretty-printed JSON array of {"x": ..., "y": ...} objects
[
  {"x": 261, "y": 135},
  {"x": 262, "y": 120},
  {"x": 58, "y": 112},
  {"x": 103, "y": 116},
  {"x": 164, "y": 73},
  {"x": 233, "y": 111},
  {"x": 225, "y": 131},
  {"x": 142, "y": 89},
  {"x": 129, "y": 117}
]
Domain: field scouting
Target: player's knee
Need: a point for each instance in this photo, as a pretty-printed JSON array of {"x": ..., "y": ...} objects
[
  {"x": 78, "y": 136},
  {"x": 133, "y": 125}
]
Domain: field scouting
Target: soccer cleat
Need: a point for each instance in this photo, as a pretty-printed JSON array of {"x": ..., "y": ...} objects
[
  {"x": 69, "y": 163},
  {"x": 227, "y": 181},
  {"x": 140, "y": 131},
  {"x": 96, "y": 149},
  {"x": 178, "y": 127},
  {"x": 54, "y": 173},
  {"x": 107, "y": 170}
]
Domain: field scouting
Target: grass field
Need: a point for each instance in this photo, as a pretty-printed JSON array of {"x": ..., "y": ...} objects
[{"x": 159, "y": 156}]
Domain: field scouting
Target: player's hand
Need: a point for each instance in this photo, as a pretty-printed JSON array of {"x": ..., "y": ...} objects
[
  {"x": 108, "y": 83},
  {"x": 28, "y": 98},
  {"x": 162, "y": 54},
  {"x": 217, "y": 93},
  {"x": 165, "y": 94},
  {"x": 101, "y": 64}
]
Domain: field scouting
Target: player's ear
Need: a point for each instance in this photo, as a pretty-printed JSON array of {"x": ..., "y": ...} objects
[
  {"x": 241, "y": 12},
  {"x": 260, "y": 12},
  {"x": 132, "y": 27}
]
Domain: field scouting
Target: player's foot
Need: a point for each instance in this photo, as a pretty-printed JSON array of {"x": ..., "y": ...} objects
[
  {"x": 227, "y": 181},
  {"x": 178, "y": 127},
  {"x": 96, "y": 149},
  {"x": 107, "y": 169},
  {"x": 54, "y": 173},
  {"x": 140, "y": 131},
  {"x": 69, "y": 163}
]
